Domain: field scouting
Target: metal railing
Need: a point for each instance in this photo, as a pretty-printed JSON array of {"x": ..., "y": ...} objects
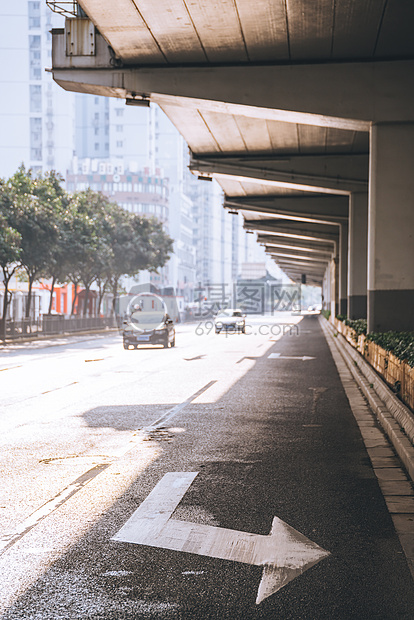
[
  {"x": 55, "y": 325},
  {"x": 67, "y": 9}
]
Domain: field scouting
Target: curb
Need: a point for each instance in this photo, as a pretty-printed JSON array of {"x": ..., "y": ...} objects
[{"x": 395, "y": 418}]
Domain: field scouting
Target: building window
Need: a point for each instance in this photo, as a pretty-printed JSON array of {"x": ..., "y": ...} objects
[
  {"x": 119, "y": 144},
  {"x": 34, "y": 57},
  {"x": 96, "y": 131},
  {"x": 35, "y": 98},
  {"x": 96, "y": 100},
  {"x": 96, "y": 116},
  {"x": 96, "y": 146},
  {"x": 119, "y": 128},
  {"x": 36, "y": 134},
  {"x": 119, "y": 111},
  {"x": 36, "y": 154},
  {"x": 34, "y": 15}
]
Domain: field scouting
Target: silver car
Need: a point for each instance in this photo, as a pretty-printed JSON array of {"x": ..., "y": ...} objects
[{"x": 231, "y": 319}]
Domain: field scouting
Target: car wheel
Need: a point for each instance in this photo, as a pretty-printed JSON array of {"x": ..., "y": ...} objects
[
  {"x": 165, "y": 344},
  {"x": 126, "y": 345},
  {"x": 173, "y": 342},
  {"x": 217, "y": 331}
]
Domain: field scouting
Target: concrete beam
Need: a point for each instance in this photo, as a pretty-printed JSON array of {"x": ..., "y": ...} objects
[
  {"x": 329, "y": 175},
  {"x": 347, "y": 95},
  {"x": 285, "y": 243},
  {"x": 302, "y": 267},
  {"x": 295, "y": 230},
  {"x": 302, "y": 263},
  {"x": 317, "y": 258},
  {"x": 319, "y": 208},
  {"x": 311, "y": 280}
]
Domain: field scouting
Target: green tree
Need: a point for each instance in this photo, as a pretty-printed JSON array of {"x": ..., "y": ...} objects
[
  {"x": 10, "y": 241},
  {"x": 57, "y": 264},
  {"x": 138, "y": 243},
  {"x": 90, "y": 252},
  {"x": 35, "y": 214}
]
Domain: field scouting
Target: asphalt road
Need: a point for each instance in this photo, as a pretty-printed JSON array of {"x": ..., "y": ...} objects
[{"x": 88, "y": 430}]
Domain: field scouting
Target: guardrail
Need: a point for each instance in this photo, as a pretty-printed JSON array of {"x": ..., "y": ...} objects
[
  {"x": 55, "y": 325},
  {"x": 398, "y": 375}
]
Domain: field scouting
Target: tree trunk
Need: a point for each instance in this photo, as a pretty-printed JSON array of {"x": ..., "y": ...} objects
[
  {"x": 102, "y": 289},
  {"x": 85, "y": 301},
  {"x": 114, "y": 293},
  {"x": 7, "y": 276},
  {"x": 29, "y": 297},
  {"x": 5, "y": 306},
  {"x": 52, "y": 290},
  {"x": 75, "y": 284}
]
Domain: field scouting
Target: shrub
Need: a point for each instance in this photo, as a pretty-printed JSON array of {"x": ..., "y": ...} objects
[
  {"x": 401, "y": 344},
  {"x": 358, "y": 325}
]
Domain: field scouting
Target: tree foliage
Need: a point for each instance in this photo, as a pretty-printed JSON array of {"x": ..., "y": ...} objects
[
  {"x": 35, "y": 212},
  {"x": 10, "y": 240},
  {"x": 82, "y": 238}
]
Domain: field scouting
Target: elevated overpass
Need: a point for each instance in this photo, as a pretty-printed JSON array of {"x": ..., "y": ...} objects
[{"x": 302, "y": 111}]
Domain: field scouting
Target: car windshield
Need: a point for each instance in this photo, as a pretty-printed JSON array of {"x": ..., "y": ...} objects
[
  {"x": 230, "y": 313},
  {"x": 147, "y": 320}
]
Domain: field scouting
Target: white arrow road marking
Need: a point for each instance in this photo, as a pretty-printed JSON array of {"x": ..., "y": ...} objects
[
  {"x": 284, "y": 553},
  {"x": 274, "y": 356}
]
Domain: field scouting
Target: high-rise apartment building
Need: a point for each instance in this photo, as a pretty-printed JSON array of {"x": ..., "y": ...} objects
[
  {"x": 36, "y": 116},
  {"x": 87, "y": 137},
  {"x": 131, "y": 140}
]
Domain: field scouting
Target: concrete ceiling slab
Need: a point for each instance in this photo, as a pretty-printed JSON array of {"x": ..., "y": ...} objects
[{"x": 209, "y": 31}]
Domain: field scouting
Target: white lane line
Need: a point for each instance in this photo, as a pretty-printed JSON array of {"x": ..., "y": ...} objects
[
  {"x": 278, "y": 356},
  {"x": 172, "y": 412},
  {"x": 7, "y": 540},
  {"x": 284, "y": 554}
]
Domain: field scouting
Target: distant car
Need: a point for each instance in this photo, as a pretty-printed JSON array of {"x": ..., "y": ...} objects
[
  {"x": 148, "y": 327},
  {"x": 230, "y": 320}
]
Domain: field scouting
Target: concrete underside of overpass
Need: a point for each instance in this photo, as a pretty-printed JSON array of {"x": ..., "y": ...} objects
[{"x": 302, "y": 112}]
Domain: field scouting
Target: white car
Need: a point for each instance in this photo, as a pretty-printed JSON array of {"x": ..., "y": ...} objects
[{"x": 230, "y": 320}]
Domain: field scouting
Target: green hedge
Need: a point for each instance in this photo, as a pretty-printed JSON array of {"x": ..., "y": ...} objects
[
  {"x": 358, "y": 325},
  {"x": 400, "y": 344}
]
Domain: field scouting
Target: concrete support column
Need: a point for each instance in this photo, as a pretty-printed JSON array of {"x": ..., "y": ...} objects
[
  {"x": 357, "y": 255},
  {"x": 334, "y": 286},
  {"x": 343, "y": 268},
  {"x": 326, "y": 296},
  {"x": 391, "y": 228}
]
